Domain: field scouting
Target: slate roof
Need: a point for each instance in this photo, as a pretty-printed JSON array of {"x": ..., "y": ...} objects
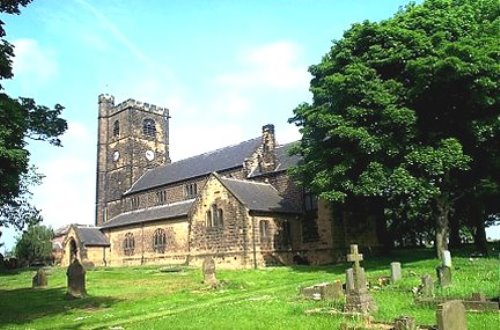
[
  {"x": 169, "y": 211},
  {"x": 91, "y": 236},
  {"x": 256, "y": 196},
  {"x": 214, "y": 161},
  {"x": 282, "y": 158}
]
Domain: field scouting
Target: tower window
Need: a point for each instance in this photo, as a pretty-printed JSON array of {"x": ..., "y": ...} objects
[
  {"x": 159, "y": 241},
  {"x": 116, "y": 128},
  {"x": 149, "y": 127},
  {"x": 129, "y": 244}
]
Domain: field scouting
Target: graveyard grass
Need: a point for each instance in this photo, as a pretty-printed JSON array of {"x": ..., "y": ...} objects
[{"x": 145, "y": 298}]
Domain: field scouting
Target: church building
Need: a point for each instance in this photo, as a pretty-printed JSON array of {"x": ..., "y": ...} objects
[{"x": 236, "y": 204}]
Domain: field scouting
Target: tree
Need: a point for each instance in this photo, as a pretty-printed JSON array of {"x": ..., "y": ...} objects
[
  {"x": 35, "y": 245},
  {"x": 405, "y": 111},
  {"x": 20, "y": 119}
]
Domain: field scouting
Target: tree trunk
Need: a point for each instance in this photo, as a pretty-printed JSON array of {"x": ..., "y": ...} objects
[
  {"x": 480, "y": 236},
  {"x": 442, "y": 224}
]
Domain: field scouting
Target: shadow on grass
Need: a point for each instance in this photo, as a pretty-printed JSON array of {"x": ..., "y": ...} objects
[{"x": 20, "y": 306}]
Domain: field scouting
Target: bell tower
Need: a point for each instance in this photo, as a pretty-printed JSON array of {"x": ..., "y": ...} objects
[{"x": 132, "y": 138}]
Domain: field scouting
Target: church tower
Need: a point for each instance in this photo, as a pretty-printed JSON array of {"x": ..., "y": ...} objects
[{"x": 132, "y": 137}]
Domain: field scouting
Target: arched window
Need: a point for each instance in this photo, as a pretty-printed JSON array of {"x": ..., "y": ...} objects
[
  {"x": 159, "y": 241},
  {"x": 116, "y": 128},
  {"x": 129, "y": 244},
  {"x": 214, "y": 217},
  {"x": 209, "y": 218},
  {"x": 265, "y": 235},
  {"x": 149, "y": 127}
]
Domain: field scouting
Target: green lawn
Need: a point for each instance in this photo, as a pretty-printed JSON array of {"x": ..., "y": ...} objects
[{"x": 144, "y": 298}]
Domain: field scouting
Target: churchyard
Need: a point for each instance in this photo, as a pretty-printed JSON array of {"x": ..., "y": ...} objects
[{"x": 271, "y": 298}]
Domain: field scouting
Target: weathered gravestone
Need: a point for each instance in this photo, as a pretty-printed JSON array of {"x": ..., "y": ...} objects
[
  {"x": 444, "y": 275},
  {"x": 405, "y": 323},
  {"x": 358, "y": 300},
  {"x": 349, "y": 281},
  {"x": 451, "y": 316},
  {"x": 76, "y": 280},
  {"x": 427, "y": 287},
  {"x": 40, "y": 279},
  {"x": 209, "y": 272},
  {"x": 324, "y": 291},
  {"x": 446, "y": 258},
  {"x": 395, "y": 271}
]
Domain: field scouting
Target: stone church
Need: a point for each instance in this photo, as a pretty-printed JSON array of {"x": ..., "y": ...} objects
[{"x": 236, "y": 204}]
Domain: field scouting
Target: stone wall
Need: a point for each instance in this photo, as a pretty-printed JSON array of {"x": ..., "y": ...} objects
[{"x": 176, "y": 247}]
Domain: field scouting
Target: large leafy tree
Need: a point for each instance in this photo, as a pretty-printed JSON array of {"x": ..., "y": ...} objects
[
  {"x": 35, "y": 245},
  {"x": 405, "y": 112},
  {"x": 20, "y": 119}
]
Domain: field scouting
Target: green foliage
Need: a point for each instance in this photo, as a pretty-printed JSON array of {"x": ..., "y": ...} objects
[
  {"x": 35, "y": 245},
  {"x": 20, "y": 119},
  {"x": 407, "y": 110}
]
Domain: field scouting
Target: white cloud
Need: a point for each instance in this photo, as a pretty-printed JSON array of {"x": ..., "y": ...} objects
[
  {"x": 33, "y": 63},
  {"x": 274, "y": 65}
]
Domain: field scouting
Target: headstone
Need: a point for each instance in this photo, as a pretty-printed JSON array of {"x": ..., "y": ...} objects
[
  {"x": 336, "y": 290},
  {"x": 444, "y": 275},
  {"x": 451, "y": 316},
  {"x": 405, "y": 323},
  {"x": 478, "y": 296},
  {"x": 40, "y": 279},
  {"x": 76, "y": 280},
  {"x": 209, "y": 272},
  {"x": 349, "y": 281},
  {"x": 395, "y": 271},
  {"x": 324, "y": 291},
  {"x": 446, "y": 258},
  {"x": 427, "y": 287},
  {"x": 358, "y": 299}
]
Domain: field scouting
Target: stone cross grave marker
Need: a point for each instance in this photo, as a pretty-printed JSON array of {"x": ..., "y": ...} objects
[
  {"x": 209, "y": 272},
  {"x": 358, "y": 299},
  {"x": 451, "y": 316},
  {"x": 40, "y": 279},
  {"x": 395, "y": 271},
  {"x": 446, "y": 258},
  {"x": 76, "y": 280}
]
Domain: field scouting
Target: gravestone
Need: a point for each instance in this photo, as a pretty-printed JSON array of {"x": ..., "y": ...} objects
[
  {"x": 451, "y": 316},
  {"x": 40, "y": 279},
  {"x": 446, "y": 258},
  {"x": 209, "y": 272},
  {"x": 336, "y": 290},
  {"x": 358, "y": 300},
  {"x": 427, "y": 287},
  {"x": 76, "y": 280},
  {"x": 395, "y": 271},
  {"x": 349, "y": 281},
  {"x": 478, "y": 296},
  {"x": 405, "y": 323},
  {"x": 444, "y": 275}
]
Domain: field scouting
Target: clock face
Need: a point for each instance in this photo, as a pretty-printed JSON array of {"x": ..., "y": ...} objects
[
  {"x": 150, "y": 155},
  {"x": 116, "y": 156}
]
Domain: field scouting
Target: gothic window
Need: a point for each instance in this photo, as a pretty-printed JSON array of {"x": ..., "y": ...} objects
[
  {"x": 149, "y": 127},
  {"x": 161, "y": 197},
  {"x": 159, "y": 241},
  {"x": 134, "y": 202},
  {"x": 129, "y": 244},
  {"x": 310, "y": 202},
  {"x": 265, "y": 235},
  {"x": 116, "y": 128},
  {"x": 215, "y": 217},
  {"x": 191, "y": 190}
]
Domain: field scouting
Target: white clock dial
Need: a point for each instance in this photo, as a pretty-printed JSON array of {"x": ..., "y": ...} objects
[
  {"x": 150, "y": 155},
  {"x": 116, "y": 156}
]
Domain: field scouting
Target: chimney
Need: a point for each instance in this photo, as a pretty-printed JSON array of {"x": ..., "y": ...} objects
[{"x": 267, "y": 158}]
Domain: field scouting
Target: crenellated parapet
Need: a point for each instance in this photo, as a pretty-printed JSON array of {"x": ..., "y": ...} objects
[{"x": 147, "y": 107}]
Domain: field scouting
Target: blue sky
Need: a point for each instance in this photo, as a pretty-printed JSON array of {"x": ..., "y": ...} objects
[{"x": 223, "y": 68}]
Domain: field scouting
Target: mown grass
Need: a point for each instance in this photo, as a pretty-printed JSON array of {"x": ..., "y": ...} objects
[{"x": 145, "y": 298}]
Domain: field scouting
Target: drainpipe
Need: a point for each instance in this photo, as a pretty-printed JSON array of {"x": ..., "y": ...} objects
[
  {"x": 253, "y": 244},
  {"x": 142, "y": 244}
]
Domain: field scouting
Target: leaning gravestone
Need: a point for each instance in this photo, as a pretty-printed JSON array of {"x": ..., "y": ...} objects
[
  {"x": 40, "y": 279},
  {"x": 358, "y": 300},
  {"x": 444, "y": 275},
  {"x": 209, "y": 272},
  {"x": 446, "y": 258},
  {"x": 427, "y": 287},
  {"x": 405, "y": 323},
  {"x": 76, "y": 280},
  {"x": 451, "y": 316},
  {"x": 395, "y": 271}
]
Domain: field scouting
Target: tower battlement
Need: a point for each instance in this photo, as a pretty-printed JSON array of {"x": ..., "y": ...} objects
[{"x": 131, "y": 103}]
